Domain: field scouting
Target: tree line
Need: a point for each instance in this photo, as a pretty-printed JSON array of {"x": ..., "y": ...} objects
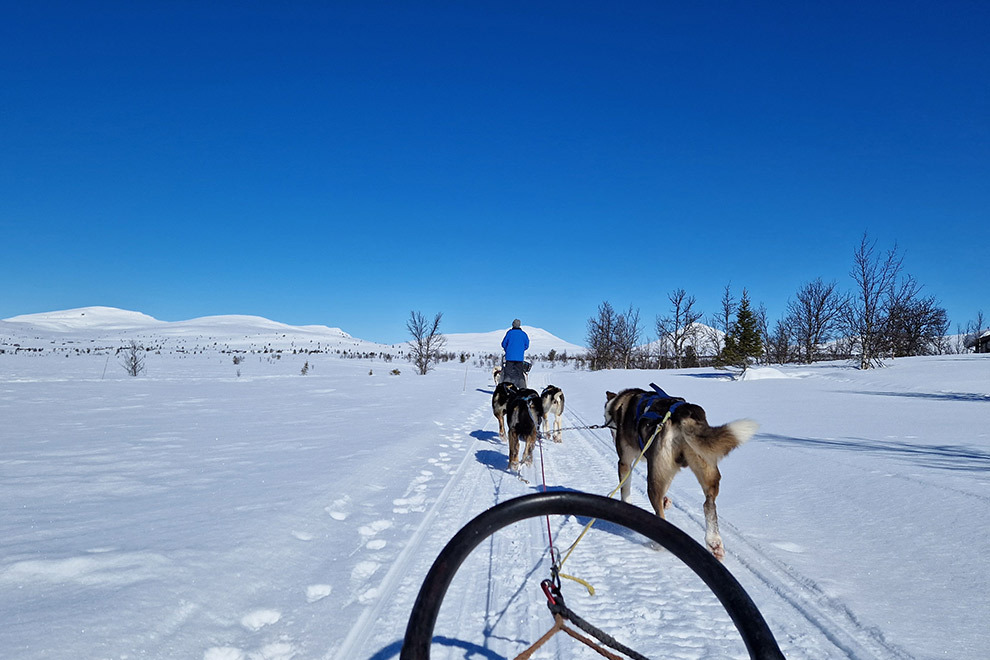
[{"x": 885, "y": 314}]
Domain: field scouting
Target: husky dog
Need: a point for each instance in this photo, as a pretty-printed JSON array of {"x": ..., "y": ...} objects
[
  {"x": 524, "y": 413},
  {"x": 500, "y": 403},
  {"x": 686, "y": 440},
  {"x": 497, "y": 374},
  {"x": 553, "y": 402}
]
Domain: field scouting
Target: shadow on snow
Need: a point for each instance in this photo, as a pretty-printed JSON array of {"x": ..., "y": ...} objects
[
  {"x": 943, "y": 457},
  {"x": 471, "y": 650},
  {"x": 936, "y": 396},
  {"x": 486, "y": 436}
]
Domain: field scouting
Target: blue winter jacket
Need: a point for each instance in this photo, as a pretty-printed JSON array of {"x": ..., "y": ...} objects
[{"x": 515, "y": 344}]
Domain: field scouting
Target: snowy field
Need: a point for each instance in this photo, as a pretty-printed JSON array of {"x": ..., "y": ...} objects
[{"x": 219, "y": 511}]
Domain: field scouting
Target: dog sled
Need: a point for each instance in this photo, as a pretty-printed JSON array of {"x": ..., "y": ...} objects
[
  {"x": 516, "y": 373},
  {"x": 746, "y": 617}
]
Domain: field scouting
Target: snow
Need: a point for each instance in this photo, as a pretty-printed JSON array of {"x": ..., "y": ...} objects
[
  {"x": 212, "y": 510},
  {"x": 541, "y": 342}
]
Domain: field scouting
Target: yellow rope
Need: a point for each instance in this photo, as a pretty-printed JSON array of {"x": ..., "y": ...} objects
[{"x": 591, "y": 589}]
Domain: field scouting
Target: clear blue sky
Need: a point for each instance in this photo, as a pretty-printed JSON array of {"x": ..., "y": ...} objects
[{"x": 344, "y": 163}]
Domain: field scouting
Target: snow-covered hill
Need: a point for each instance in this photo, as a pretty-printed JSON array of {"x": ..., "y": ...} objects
[
  {"x": 109, "y": 326},
  {"x": 541, "y": 342}
]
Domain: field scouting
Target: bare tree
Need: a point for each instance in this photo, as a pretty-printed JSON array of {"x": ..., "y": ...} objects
[
  {"x": 601, "y": 330},
  {"x": 626, "y": 336},
  {"x": 814, "y": 315},
  {"x": 974, "y": 330},
  {"x": 779, "y": 343},
  {"x": 917, "y": 326},
  {"x": 866, "y": 319},
  {"x": 133, "y": 359},
  {"x": 763, "y": 327},
  {"x": 427, "y": 343},
  {"x": 612, "y": 338},
  {"x": 679, "y": 327},
  {"x": 720, "y": 324}
]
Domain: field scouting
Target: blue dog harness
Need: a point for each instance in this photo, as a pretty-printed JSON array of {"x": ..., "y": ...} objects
[{"x": 643, "y": 409}]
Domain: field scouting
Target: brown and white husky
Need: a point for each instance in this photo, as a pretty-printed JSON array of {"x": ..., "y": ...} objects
[{"x": 686, "y": 440}]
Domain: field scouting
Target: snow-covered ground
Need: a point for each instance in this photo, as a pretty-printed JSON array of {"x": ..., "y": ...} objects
[{"x": 219, "y": 511}]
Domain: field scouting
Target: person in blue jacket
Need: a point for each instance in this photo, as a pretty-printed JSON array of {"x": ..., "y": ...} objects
[{"x": 515, "y": 343}]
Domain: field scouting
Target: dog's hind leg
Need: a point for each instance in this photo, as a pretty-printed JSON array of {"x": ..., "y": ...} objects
[
  {"x": 501, "y": 425},
  {"x": 658, "y": 479},
  {"x": 709, "y": 478},
  {"x": 557, "y": 428},
  {"x": 530, "y": 444},
  {"x": 513, "y": 449},
  {"x": 626, "y": 460}
]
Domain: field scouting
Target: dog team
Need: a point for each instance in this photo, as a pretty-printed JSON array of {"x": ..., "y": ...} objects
[{"x": 667, "y": 431}]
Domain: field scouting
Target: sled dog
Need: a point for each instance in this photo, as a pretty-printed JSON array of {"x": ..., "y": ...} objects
[
  {"x": 553, "y": 402},
  {"x": 500, "y": 403},
  {"x": 497, "y": 374},
  {"x": 523, "y": 415},
  {"x": 686, "y": 440}
]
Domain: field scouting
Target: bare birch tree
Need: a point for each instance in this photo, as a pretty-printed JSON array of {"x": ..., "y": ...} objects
[
  {"x": 814, "y": 315},
  {"x": 917, "y": 325},
  {"x": 427, "y": 342},
  {"x": 721, "y": 324},
  {"x": 778, "y": 349},
  {"x": 601, "y": 330},
  {"x": 626, "y": 336},
  {"x": 677, "y": 329},
  {"x": 612, "y": 338},
  {"x": 866, "y": 319}
]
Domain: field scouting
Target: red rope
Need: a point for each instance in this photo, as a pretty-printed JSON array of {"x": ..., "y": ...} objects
[{"x": 543, "y": 474}]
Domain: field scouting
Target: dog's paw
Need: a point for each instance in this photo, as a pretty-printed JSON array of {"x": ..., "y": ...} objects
[
  {"x": 557, "y": 438},
  {"x": 666, "y": 502},
  {"x": 718, "y": 550}
]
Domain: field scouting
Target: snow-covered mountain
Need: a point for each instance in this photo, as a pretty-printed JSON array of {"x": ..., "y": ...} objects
[
  {"x": 541, "y": 342},
  {"x": 108, "y": 326}
]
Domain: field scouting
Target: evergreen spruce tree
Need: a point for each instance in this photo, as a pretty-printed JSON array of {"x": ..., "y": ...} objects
[{"x": 743, "y": 340}]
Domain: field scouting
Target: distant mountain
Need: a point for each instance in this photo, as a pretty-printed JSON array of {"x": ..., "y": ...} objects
[
  {"x": 93, "y": 318},
  {"x": 541, "y": 342},
  {"x": 111, "y": 325}
]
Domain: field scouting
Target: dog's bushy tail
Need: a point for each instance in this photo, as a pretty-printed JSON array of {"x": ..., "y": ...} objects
[{"x": 714, "y": 442}]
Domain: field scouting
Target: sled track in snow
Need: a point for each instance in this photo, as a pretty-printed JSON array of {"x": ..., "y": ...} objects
[
  {"x": 410, "y": 555},
  {"x": 486, "y": 606},
  {"x": 456, "y": 504},
  {"x": 829, "y": 616}
]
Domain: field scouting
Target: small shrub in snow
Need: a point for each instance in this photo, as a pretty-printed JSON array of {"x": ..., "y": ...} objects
[{"x": 133, "y": 360}]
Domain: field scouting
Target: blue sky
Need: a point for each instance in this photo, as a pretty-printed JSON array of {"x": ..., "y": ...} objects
[{"x": 344, "y": 163}]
